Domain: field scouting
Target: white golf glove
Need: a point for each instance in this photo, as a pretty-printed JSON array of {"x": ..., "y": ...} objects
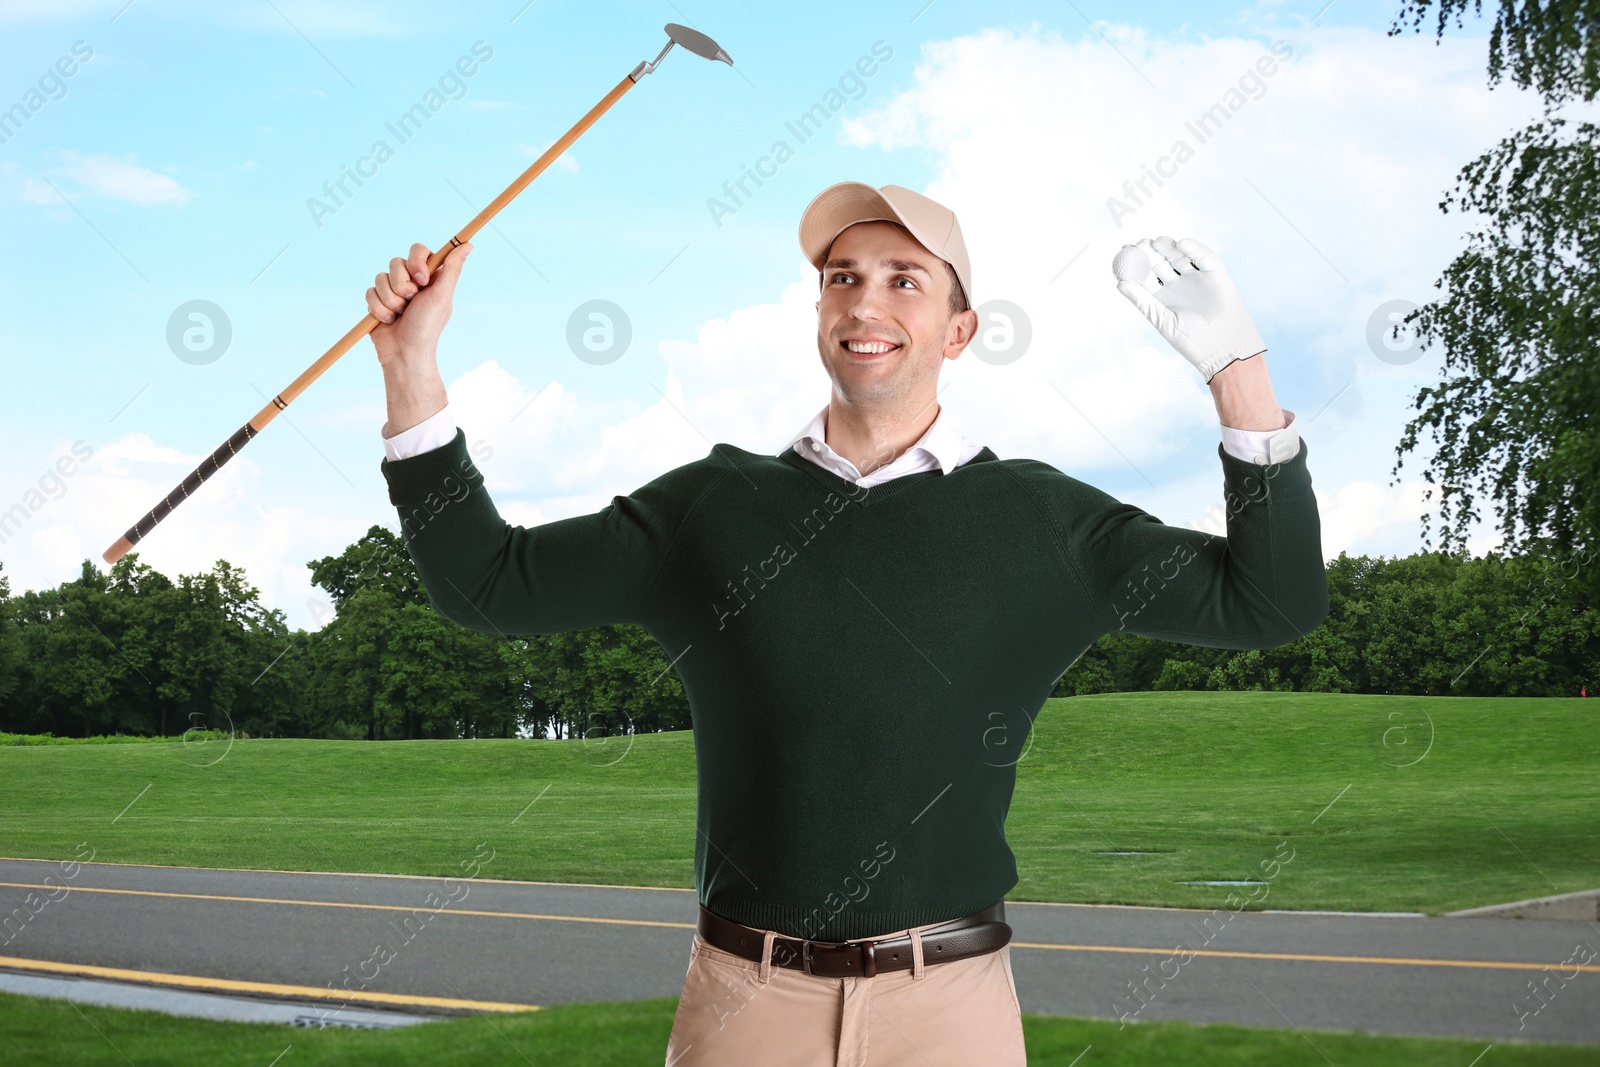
[{"x": 1185, "y": 292}]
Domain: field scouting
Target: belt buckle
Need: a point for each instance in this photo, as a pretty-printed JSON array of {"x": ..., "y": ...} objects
[
  {"x": 805, "y": 955},
  {"x": 869, "y": 962}
]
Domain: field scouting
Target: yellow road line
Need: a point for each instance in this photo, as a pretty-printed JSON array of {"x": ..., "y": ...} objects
[
  {"x": 1508, "y": 965},
  {"x": 345, "y": 904},
  {"x": 1505, "y": 965},
  {"x": 189, "y": 981}
]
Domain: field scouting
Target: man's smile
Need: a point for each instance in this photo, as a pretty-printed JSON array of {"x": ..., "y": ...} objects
[{"x": 869, "y": 347}]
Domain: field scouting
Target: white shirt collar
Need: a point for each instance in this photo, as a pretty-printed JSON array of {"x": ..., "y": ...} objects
[{"x": 942, "y": 440}]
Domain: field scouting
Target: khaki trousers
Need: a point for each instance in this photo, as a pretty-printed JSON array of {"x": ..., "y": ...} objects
[{"x": 735, "y": 1012}]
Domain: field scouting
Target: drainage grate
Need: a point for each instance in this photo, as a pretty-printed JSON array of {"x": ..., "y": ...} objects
[{"x": 317, "y": 1022}]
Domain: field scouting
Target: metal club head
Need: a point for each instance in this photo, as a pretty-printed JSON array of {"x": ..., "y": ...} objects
[
  {"x": 697, "y": 42},
  {"x": 693, "y": 40}
]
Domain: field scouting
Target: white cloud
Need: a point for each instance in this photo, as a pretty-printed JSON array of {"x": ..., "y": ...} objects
[
  {"x": 107, "y": 177},
  {"x": 1363, "y": 512},
  {"x": 34, "y": 191}
]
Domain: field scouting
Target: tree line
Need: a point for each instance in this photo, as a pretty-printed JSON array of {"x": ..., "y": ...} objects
[
  {"x": 1428, "y": 624},
  {"x": 132, "y": 652}
]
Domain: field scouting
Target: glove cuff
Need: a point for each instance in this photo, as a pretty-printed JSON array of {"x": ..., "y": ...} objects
[{"x": 1222, "y": 363}]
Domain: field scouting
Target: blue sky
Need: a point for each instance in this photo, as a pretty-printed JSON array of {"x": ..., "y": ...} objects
[{"x": 176, "y": 164}]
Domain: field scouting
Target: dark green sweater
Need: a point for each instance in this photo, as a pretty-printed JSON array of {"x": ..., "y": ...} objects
[{"x": 863, "y": 665}]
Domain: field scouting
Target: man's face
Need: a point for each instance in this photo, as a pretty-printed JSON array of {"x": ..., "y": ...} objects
[{"x": 880, "y": 285}]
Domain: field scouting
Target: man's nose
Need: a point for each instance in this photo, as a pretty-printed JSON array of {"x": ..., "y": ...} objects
[{"x": 866, "y": 305}]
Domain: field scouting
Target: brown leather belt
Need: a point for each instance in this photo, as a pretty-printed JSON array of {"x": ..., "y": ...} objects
[{"x": 971, "y": 935}]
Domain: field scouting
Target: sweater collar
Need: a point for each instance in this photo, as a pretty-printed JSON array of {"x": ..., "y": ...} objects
[{"x": 942, "y": 441}]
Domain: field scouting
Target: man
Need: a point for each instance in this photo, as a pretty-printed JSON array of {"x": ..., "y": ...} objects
[{"x": 865, "y": 625}]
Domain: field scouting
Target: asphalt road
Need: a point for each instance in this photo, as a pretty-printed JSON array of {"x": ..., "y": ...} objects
[{"x": 478, "y": 945}]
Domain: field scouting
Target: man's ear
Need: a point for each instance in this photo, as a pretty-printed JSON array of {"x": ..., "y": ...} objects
[{"x": 965, "y": 329}]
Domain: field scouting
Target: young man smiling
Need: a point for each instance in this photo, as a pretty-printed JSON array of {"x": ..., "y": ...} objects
[{"x": 857, "y": 733}]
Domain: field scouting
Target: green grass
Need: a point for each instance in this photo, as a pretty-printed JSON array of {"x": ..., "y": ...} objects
[
  {"x": 1500, "y": 808},
  {"x": 36, "y": 1030}
]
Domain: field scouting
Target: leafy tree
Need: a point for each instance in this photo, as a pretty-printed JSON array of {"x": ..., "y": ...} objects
[
  {"x": 1515, "y": 418},
  {"x": 200, "y": 626},
  {"x": 601, "y": 682},
  {"x": 1117, "y": 663},
  {"x": 1551, "y": 47},
  {"x": 1090, "y": 672},
  {"x": 80, "y": 671},
  {"x": 379, "y": 560},
  {"x": 389, "y": 666},
  {"x": 1181, "y": 673},
  {"x": 438, "y": 679},
  {"x": 630, "y": 686}
]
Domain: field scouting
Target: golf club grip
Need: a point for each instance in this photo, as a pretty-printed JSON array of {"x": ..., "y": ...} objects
[
  {"x": 229, "y": 448},
  {"x": 208, "y": 466}
]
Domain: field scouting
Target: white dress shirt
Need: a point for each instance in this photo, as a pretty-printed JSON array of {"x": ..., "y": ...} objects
[{"x": 942, "y": 446}]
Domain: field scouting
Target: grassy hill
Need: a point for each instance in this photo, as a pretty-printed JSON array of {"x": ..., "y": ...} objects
[{"x": 1436, "y": 803}]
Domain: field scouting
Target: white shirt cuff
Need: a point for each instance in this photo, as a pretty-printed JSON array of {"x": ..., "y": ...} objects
[
  {"x": 1263, "y": 446},
  {"x": 435, "y": 431}
]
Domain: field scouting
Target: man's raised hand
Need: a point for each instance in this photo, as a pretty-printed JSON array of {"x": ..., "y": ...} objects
[
  {"x": 1184, "y": 291},
  {"x": 411, "y": 306}
]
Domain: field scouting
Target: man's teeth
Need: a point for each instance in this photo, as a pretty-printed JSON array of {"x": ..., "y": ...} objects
[{"x": 869, "y": 347}]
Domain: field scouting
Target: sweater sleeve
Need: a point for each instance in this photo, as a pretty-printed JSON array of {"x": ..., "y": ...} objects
[
  {"x": 570, "y": 574},
  {"x": 1261, "y": 586}
]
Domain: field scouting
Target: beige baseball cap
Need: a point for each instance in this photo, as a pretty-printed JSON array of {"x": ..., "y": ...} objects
[{"x": 846, "y": 203}]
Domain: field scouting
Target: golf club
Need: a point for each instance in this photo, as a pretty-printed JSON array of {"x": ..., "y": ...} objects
[{"x": 693, "y": 40}]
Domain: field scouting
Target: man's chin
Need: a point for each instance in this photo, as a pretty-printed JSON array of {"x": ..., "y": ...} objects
[{"x": 867, "y": 387}]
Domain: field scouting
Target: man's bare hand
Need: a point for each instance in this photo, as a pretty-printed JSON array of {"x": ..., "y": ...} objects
[{"x": 411, "y": 306}]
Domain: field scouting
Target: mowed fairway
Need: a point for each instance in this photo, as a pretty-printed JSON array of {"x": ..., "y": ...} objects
[{"x": 1387, "y": 803}]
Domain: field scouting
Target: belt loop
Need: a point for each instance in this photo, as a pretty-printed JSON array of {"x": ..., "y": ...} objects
[
  {"x": 766, "y": 955},
  {"x": 916, "y": 953}
]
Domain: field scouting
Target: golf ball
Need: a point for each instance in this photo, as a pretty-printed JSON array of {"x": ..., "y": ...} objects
[{"x": 1131, "y": 264}]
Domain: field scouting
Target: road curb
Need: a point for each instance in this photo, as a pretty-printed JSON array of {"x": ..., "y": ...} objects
[{"x": 1582, "y": 905}]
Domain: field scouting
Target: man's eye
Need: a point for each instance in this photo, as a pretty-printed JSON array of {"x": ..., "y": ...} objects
[
  {"x": 912, "y": 281},
  {"x": 836, "y": 277}
]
